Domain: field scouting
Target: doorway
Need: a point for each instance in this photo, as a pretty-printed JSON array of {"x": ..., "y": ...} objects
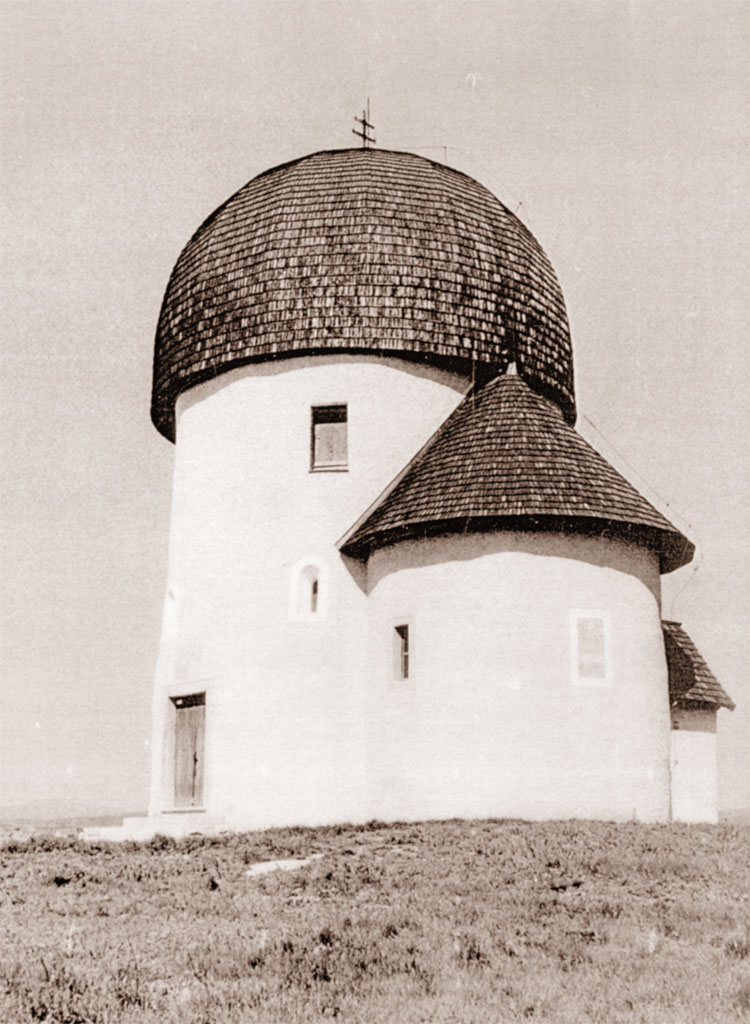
[{"x": 189, "y": 744}]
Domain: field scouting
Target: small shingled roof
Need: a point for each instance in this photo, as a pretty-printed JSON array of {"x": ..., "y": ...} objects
[
  {"x": 507, "y": 459},
  {"x": 691, "y": 681}
]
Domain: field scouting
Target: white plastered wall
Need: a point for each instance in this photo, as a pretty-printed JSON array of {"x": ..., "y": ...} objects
[
  {"x": 304, "y": 722},
  {"x": 491, "y": 721},
  {"x": 284, "y": 693},
  {"x": 694, "y": 766}
]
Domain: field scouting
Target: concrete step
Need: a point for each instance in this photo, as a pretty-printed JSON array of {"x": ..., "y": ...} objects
[{"x": 139, "y": 829}]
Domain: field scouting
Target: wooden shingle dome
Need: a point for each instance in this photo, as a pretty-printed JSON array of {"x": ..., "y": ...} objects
[{"x": 362, "y": 251}]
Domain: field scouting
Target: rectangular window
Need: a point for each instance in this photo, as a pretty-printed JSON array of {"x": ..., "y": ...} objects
[
  {"x": 401, "y": 652},
  {"x": 590, "y": 647},
  {"x": 328, "y": 441}
]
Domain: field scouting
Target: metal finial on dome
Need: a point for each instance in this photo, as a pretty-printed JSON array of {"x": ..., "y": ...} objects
[{"x": 365, "y": 122}]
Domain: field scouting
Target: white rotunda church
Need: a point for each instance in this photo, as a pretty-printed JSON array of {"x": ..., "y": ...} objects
[{"x": 401, "y": 585}]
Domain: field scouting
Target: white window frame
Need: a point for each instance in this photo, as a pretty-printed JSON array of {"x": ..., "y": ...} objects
[
  {"x": 578, "y": 615},
  {"x": 329, "y": 467},
  {"x": 303, "y": 574},
  {"x": 394, "y": 652}
]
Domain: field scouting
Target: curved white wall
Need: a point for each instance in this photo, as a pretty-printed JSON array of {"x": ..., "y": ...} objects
[
  {"x": 284, "y": 691},
  {"x": 304, "y": 720},
  {"x": 694, "y": 768},
  {"x": 493, "y": 720}
]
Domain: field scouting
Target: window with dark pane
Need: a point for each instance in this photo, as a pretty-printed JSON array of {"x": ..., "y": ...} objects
[
  {"x": 401, "y": 652},
  {"x": 328, "y": 440}
]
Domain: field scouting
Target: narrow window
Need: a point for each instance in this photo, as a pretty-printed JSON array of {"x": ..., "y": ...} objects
[
  {"x": 401, "y": 652},
  {"x": 189, "y": 725},
  {"x": 308, "y": 592},
  {"x": 590, "y": 647},
  {"x": 328, "y": 442},
  {"x": 591, "y": 663}
]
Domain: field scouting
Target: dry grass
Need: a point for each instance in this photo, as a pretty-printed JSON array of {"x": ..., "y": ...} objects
[{"x": 450, "y": 922}]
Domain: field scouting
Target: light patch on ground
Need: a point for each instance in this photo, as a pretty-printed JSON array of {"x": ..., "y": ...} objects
[{"x": 265, "y": 867}]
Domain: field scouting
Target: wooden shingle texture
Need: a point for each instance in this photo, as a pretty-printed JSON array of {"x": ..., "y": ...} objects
[
  {"x": 507, "y": 459},
  {"x": 691, "y": 681},
  {"x": 361, "y": 251}
]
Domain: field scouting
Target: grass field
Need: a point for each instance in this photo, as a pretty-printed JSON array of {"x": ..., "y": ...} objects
[{"x": 440, "y": 922}]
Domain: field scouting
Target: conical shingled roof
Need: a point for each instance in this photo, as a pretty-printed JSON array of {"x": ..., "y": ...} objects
[
  {"x": 691, "y": 681},
  {"x": 362, "y": 250},
  {"x": 506, "y": 459}
]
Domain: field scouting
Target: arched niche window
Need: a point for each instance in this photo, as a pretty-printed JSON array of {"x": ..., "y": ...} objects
[{"x": 308, "y": 591}]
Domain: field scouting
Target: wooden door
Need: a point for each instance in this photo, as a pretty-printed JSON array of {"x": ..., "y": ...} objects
[{"x": 190, "y": 721}]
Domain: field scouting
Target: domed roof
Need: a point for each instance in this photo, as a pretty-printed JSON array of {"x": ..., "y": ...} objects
[
  {"x": 362, "y": 250},
  {"x": 505, "y": 459}
]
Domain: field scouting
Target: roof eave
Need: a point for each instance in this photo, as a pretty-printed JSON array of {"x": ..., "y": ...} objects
[
  {"x": 702, "y": 704},
  {"x": 674, "y": 549},
  {"x": 704, "y": 689}
]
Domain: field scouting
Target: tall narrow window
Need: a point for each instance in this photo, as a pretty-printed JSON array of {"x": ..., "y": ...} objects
[
  {"x": 308, "y": 591},
  {"x": 328, "y": 441},
  {"x": 590, "y": 647},
  {"x": 401, "y": 652}
]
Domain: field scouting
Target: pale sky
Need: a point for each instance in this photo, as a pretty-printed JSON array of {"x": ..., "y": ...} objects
[{"x": 619, "y": 132}]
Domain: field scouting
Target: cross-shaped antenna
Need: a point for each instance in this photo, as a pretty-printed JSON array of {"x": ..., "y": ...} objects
[{"x": 365, "y": 122}]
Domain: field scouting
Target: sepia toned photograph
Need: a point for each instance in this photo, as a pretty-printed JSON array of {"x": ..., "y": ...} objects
[{"x": 375, "y": 511}]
